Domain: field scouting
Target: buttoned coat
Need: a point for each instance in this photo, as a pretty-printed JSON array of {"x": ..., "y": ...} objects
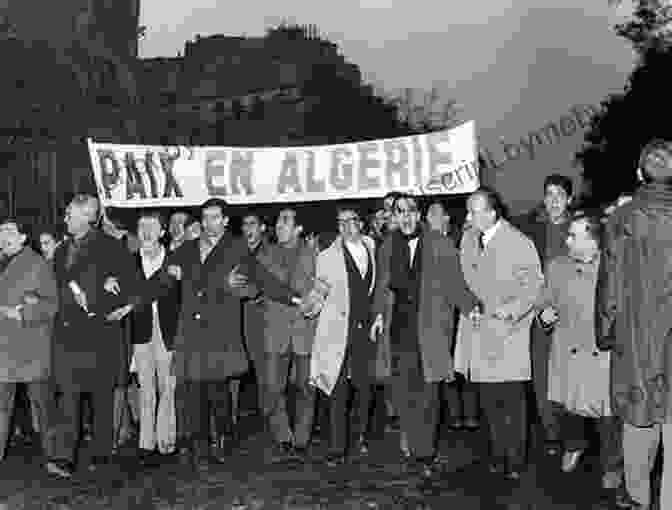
[
  {"x": 442, "y": 289},
  {"x": 331, "y": 334},
  {"x": 507, "y": 274},
  {"x": 209, "y": 343},
  {"x": 285, "y": 328},
  {"x": 87, "y": 348},
  {"x": 26, "y": 344}
]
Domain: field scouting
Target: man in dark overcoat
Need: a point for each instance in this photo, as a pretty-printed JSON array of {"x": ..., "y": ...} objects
[
  {"x": 425, "y": 278},
  {"x": 90, "y": 268}
]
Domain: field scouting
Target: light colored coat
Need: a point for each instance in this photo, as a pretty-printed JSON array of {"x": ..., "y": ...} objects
[
  {"x": 507, "y": 274},
  {"x": 332, "y": 324},
  {"x": 575, "y": 362},
  {"x": 26, "y": 345}
]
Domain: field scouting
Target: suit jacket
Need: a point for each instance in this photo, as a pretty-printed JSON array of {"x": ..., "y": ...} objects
[
  {"x": 26, "y": 344},
  {"x": 535, "y": 226},
  {"x": 332, "y": 325},
  {"x": 442, "y": 289},
  {"x": 508, "y": 275},
  {"x": 87, "y": 348},
  {"x": 168, "y": 302}
]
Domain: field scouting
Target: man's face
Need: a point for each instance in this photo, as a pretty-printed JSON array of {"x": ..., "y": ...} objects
[
  {"x": 149, "y": 231},
  {"x": 214, "y": 221},
  {"x": 437, "y": 219},
  {"x": 253, "y": 229},
  {"x": 194, "y": 231},
  {"x": 579, "y": 241},
  {"x": 349, "y": 225},
  {"x": 47, "y": 245},
  {"x": 176, "y": 227},
  {"x": 479, "y": 214},
  {"x": 407, "y": 215},
  {"x": 11, "y": 240},
  {"x": 285, "y": 227},
  {"x": 556, "y": 201},
  {"x": 77, "y": 218}
]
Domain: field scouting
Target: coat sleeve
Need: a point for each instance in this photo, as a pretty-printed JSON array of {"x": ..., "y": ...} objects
[
  {"x": 261, "y": 281},
  {"x": 606, "y": 292},
  {"x": 47, "y": 297},
  {"x": 459, "y": 293},
  {"x": 302, "y": 280},
  {"x": 529, "y": 278},
  {"x": 383, "y": 297}
]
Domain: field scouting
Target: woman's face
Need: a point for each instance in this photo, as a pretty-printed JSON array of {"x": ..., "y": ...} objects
[{"x": 47, "y": 245}]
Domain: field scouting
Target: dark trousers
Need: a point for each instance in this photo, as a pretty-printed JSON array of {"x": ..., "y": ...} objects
[
  {"x": 40, "y": 397},
  {"x": 203, "y": 400},
  {"x": 504, "y": 406},
  {"x": 68, "y": 435},
  {"x": 417, "y": 403},
  {"x": 542, "y": 409},
  {"x": 275, "y": 379},
  {"x": 341, "y": 399},
  {"x": 574, "y": 436},
  {"x": 461, "y": 397}
]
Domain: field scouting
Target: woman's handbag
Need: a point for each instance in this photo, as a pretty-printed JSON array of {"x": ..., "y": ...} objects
[{"x": 588, "y": 393}]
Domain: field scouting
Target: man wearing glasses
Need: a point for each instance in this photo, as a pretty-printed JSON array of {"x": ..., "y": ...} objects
[
  {"x": 425, "y": 279},
  {"x": 343, "y": 354}
]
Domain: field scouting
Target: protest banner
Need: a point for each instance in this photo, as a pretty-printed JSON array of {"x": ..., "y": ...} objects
[{"x": 443, "y": 162}]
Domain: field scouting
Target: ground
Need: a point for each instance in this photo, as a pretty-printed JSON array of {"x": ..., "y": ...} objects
[{"x": 248, "y": 484}]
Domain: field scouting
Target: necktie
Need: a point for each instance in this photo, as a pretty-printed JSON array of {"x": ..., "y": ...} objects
[{"x": 481, "y": 243}]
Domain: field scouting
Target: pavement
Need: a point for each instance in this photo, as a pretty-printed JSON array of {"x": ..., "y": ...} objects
[{"x": 378, "y": 482}]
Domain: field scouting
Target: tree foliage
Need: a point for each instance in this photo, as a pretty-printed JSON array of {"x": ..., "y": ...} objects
[{"x": 628, "y": 120}]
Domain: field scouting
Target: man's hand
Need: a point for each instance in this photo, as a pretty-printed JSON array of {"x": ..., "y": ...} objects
[
  {"x": 237, "y": 280},
  {"x": 11, "y": 312},
  {"x": 377, "y": 328},
  {"x": 112, "y": 285},
  {"x": 119, "y": 313},
  {"x": 549, "y": 316},
  {"x": 175, "y": 272},
  {"x": 476, "y": 317}
]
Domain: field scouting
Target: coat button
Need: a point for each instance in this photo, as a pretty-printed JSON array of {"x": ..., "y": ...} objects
[
  {"x": 197, "y": 316},
  {"x": 200, "y": 293},
  {"x": 343, "y": 314},
  {"x": 573, "y": 351},
  {"x": 596, "y": 354},
  {"x": 66, "y": 324}
]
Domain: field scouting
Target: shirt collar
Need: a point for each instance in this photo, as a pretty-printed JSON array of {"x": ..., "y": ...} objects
[{"x": 490, "y": 233}]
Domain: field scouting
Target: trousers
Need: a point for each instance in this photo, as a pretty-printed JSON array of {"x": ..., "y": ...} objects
[
  {"x": 341, "y": 427},
  {"x": 640, "y": 447},
  {"x": 40, "y": 395},
  {"x": 157, "y": 423}
]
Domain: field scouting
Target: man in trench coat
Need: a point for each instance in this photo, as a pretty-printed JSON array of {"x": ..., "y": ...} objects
[{"x": 634, "y": 320}]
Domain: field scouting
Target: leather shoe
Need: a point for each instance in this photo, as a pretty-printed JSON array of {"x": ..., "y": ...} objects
[
  {"x": 98, "y": 461},
  {"x": 63, "y": 469},
  {"x": 627, "y": 503},
  {"x": 335, "y": 459},
  {"x": 570, "y": 460}
]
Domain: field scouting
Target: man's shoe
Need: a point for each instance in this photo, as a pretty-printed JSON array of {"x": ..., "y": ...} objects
[
  {"x": 612, "y": 480},
  {"x": 456, "y": 424},
  {"x": 282, "y": 452},
  {"x": 148, "y": 458},
  {"x": 302, "y": 453},
  {"x": 627, "y": 503},
  {"x": 63, "y": 469},
  {"x": 570, "y": 460},
  {"x": 471, "y": 424},
  {"x": 335, "y": 459},
  {"x": 361, "y": 446},
  {"x": 98, "y": 461}
]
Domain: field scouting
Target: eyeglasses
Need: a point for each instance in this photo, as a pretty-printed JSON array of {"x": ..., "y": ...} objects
[
  {"x": 347, "y": 221},
  {"x": 405, "y": 212}
]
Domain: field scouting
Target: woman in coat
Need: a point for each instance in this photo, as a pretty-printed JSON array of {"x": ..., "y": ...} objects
[{"x": 576, "y": 366}]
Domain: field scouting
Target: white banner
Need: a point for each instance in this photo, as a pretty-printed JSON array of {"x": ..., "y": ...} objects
[{"x": 148, "y": 176}]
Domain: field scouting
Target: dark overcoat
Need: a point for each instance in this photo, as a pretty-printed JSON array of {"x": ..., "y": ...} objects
[{"x": 86, "y": 348}]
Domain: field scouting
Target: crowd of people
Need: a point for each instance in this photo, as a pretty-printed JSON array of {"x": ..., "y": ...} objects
[{"x": 545, "y": 323}]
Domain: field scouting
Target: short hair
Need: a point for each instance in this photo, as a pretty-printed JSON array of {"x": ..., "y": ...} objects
[
  {"x": 254, "y": 214},
  {"x": 655, "y": 145},
  {"x": 405, "y": 196},
  {"x": 89, "y": 202},
  {"x": 215, "y": 202},
  {"x": 53, "y": 230},
  {"x": 186, "y": 215},
  {"x": 594, "y": 226},
  {"x": 345, "y": 207},
  {"x": 437, "y": 201},
  {"x": 190, "y": 221},
  {"x": 561, "y": 181},
  {"x": 294, "y": 212},
  {"x": 493, "y": 199},
  {"x": 21, "y": 226},
  {"x": 153, "y": 214}
]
